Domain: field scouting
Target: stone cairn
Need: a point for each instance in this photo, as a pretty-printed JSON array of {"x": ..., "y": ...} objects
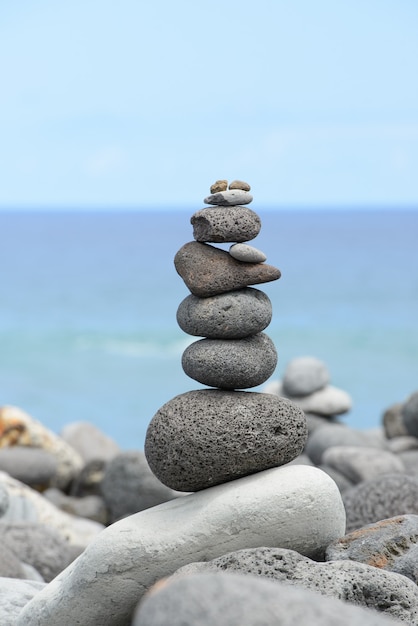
[{"x": 211, "y": 436}]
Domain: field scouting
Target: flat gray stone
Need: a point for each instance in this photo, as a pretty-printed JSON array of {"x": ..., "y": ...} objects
[
  {"x": 230, "y": 197},
  {"x": 207, "y": 270},
  {"x": 231, "y": 315},
  {"x": 231, "y": 363},
  {"x": 247, "y": 254},
  {"x": 409, "y": 412},
  {"x": 380, "y": 498},
  {"x": 15, "y": 594},
  {"x": 360, "y": 463},
  {"x": 331, "y": 435},
  {"x": 294, "y": 506},
  {"x": 222, "y": 225},
  {"x": 304, "y": 375},
  {"x": 231, "y": 599},
  {"x": 353, "y": 582},
  {"x": 207, "y": 437},
  {"x": 33, "y": 466},
  {"x": 90, "y": 442},
  {"x": 390, "y": 544}
]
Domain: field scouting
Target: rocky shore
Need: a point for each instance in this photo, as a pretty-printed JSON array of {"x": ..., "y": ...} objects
[{"x": 244, "y": 506}]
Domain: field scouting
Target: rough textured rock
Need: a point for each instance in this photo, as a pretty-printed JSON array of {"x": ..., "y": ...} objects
[
  {"x": 304, "y": 375},
  {"x": 409, "y": 412},
  {"x": 393, "y": 422},
  {"x": 129, "y": 486},
  {"x": 231, "y": 315},
  {"x": 33, "y": 466},
  {"x": 247, "y": 254},
  {"x": 221, "y": 225},
  {"x": 231, "y": 363},
  {"x": 390, "y": 544},
  {"x": 207, "y": 270},
  {"x": 362, "y": 463},
  {"x": 294, "y": 506},
  {"x": 230, "y": 197},
  {"x": 231, "y": 599},
  {"x": 219, "y": 185},
  {"x": 15, "y": 594},
  {"x": 206, "y": 437},
  {"x": 380, "y": 498},
  {"x": 89, "y": 441},
  {"x": 350, "y": 581},
  {"x": 240, "y": 184},
  {"x": 332, "y": 435}
]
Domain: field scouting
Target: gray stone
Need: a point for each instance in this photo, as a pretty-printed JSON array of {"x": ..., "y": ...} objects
[
  {"x": 231, "y": 315},
  {"x": 390, "y": 544},
  {"x": 239, "y": 184},
  {"x": 37, "y": 545},
  {"x": 410, "y": 460},
  {"x": 231, "y": 363},
  {"x": 230, "y": 197},
  {"x": 409, "y": 414},
  {"x": 90, "y": 507},
  {"x": 331, "y": 435},
  {"x": 219, "y": 185},
  {"x": 89, "y": 441},
  {"x": 4, "y": 500},
  {"x": 222, "y": 225},
  {"x": 340, "y": 480},
  {"x": 88, "y": 482},
  {"x": 304, "y": 375},
  {"x": 207, "y": 270},
  {"x": 129, "y": 486},
  {"x": 317, "y": 421},
  {"x": 293, "y": 506},
  {"x": 380, "y": 498},
  {"x": 393, "y": 421},
  {"x": 33, "y": 466},
  {"x": 360, "y": 463},
  {"x": 247, "y": 254},
  {"x": 207, "y": 437},
  {"x": 10, "y": 565},
  {"x": 404, "y": 443},
  {"x": 231, "y": 599},
  {"x": 350, "y": 581},
  {"x": 15, "y": 594}
]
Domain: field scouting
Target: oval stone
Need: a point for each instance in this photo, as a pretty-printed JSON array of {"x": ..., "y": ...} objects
[
  {"x": 247, "y": 254},
  {"x": 239, "y": 184},
  {"x": 222, "y": 225},
  {"x": 209, "y": 436},
  {"x": 230, "y": 197},
  {"x": 231, "y": 363},
  {"x": 230, "y": 315},
  {"x": 219, "y": 185},
  {"x": 304, "y": 375}
]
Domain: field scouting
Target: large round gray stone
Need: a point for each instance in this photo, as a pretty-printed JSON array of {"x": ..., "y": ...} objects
[
  {"x": 231, "y": 363},
  {"x": 304, "y": 375},
  {"x": 207, "y": 270},
  {"x": 206, "y": 437},
  {"x": 409, "y": 413},
  {"x": 296, "y": 507},
  {"x": 220, "y": 225},
  {"x": 231, "y": 315}
]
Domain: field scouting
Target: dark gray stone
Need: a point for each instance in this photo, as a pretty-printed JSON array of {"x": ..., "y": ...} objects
[
  {"x": 39, "y": 546},
  {"x": 207, "y": 437},
  {"x": 231, "y": 599},
  {"x": 221, "y": 225},
  {"x": 207, "y": 270},
  {"x": 380, "y": 498},
  {"x": 88, "y": 482},
  {"x": 33, "y": 466},
  {"x": 230, "y": 197},
  {"x": 390, "y": 544},
  {"x": 393, "y": 421},
  {"x": 304, "y": 375},
  {"x": 129, "y": 486},
  {"x": 231, "y": 363},
  {"x": 350, "y": 581},
  {"x": 332, "y": 434},
  {"x": 231, "y": 315},
  {"x": 358, "y": 463},
  {"x": 409, "y": 414}
]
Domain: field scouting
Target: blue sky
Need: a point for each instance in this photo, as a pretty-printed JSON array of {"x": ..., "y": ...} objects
[{"x": 137, "y": 104}]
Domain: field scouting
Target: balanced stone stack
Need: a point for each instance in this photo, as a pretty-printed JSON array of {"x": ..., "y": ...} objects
[{"x": 210, "y": 436}]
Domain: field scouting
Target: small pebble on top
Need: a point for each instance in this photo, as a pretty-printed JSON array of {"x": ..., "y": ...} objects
[
  {"x": 219, "y": 185},
  {"x": 239, "y": 184}
]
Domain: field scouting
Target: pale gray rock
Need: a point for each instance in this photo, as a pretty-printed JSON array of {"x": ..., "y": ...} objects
[
  {"x": 409, "y": 412},
  {"x": 15, "y": 594},
  {"x": 91, "y": 507},
  {"x": 231, "y": 315},
  {"x": 297, "y": 506},
  {"x": 231, "y": 599},
  {"x": 230, "y": 197},
  {"x": 247, "y": 254},
  {"x": 89, "y": 441},
  {"x": 33, "y": 466},
  {"x": 360, "y": 463},
  {"x": 10, "y": 564},
  {"x": 331, "y": 435},
  {"x": 304, "y": 375},
  {"x": 4, "y": 500},
  {"x": 317, "y": 421},
  {"x": 222, "y": 225},
  {"x": 206, "y": 437},
  {"x": 356, "y": 583},
  {"x": 380, "y": 498},
  {"x": 231, "y": 363},
  {"x": 329, "y": 401},
  {"x": 390, "y": 544},
  {"x": 239, "y": 184},
  {"x": 393, "y": 421},
  {"x": 207, "y": 270},
  {"x": 403, "y": 443},
  {"x": 410, "y": 460},
  {"x": 129, "y": 486}
]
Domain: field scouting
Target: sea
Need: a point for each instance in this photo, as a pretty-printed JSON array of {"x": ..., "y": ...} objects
[{"x": 88, "y": 305}]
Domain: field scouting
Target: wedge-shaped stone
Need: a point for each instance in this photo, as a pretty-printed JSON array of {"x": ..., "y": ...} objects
[
  {"x": 297, "y": 507},
  {"x": 207, "y": 270},
  {"x": 221, "y": 225}
]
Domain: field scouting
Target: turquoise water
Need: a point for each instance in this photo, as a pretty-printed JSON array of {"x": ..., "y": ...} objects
[{"x": 88, "y": 310}]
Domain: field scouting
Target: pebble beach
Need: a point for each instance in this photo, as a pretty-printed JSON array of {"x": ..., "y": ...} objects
[{"x": 252, "y": 500}]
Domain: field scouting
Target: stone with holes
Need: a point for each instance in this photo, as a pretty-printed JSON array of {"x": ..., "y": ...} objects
[{"x": 221, "y": 225}]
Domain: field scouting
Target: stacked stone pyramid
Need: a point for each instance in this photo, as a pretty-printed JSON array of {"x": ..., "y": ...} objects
[{"x": 211, "y": 436}]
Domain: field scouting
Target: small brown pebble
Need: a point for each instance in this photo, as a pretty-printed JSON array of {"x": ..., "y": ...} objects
[
  {"x": 220, "y": 185},
  {"x": 239, "y": 184}
]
